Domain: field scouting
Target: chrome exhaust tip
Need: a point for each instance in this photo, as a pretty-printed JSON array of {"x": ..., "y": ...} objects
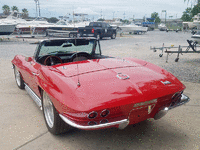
[{"x": 161, "y": 113}]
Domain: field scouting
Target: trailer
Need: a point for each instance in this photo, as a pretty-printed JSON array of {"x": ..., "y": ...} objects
[{"x": 191, "y": 48}]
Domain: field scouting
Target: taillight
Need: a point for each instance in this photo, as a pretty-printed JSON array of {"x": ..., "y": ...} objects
[
  {"x": 105, "y": 113},
  {"x": 92, "y": 30},
  {"x": 92, "y": 123},
  {"x": 92, "y": 115},
  {"x": 104, "y": 121}
]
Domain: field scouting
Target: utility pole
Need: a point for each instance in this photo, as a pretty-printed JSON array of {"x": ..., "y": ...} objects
[
  {"x": 165, "y": 15},
  {"x": 37, "y": 8}
]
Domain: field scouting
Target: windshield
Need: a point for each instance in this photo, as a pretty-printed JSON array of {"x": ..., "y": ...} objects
[{"x": 66, "y": 46}]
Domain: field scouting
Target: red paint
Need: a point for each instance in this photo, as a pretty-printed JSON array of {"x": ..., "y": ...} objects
[{"x": 100, "y": 88}]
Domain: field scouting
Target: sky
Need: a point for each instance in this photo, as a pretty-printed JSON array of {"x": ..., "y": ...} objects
[{"x": 108, "y": 9}]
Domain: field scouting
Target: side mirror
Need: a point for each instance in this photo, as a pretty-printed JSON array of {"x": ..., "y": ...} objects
[{"x": 28, "y": 59}]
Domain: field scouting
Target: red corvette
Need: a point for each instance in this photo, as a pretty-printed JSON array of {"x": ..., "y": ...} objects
[{"x": 77, "y": 87}]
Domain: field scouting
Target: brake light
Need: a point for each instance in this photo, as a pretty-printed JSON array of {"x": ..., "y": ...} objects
[
  {"x": 105, "y": 113},
  {"x": 92, "y": 30},
  {"x": 92, "y": 115}
]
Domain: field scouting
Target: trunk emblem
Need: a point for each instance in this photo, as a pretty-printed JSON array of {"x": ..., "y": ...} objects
[
  {"x": 166, "y": 82},
  {"x": 122, "y": 76}
]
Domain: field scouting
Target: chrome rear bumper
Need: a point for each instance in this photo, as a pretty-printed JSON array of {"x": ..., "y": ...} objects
[
  {"x": 161, "y": 113},
  {"x": 122, "y": 124}
]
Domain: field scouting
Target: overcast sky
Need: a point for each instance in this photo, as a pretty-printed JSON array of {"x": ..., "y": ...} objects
[{"x": 108, "y": 8}]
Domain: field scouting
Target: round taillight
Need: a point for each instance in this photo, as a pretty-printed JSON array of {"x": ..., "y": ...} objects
[
  {"x": 92, "y": 123},
  {"x": 104, "y": 121},
  {"x": 92, "y": 115},
  {"x": 105, "y": 113}
]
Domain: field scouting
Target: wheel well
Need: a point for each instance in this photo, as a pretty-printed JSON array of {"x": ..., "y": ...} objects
[{"x": 40, "y": 90}]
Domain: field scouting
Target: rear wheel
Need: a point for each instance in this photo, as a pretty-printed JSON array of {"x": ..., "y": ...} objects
[
  {"x": 53, "y": 121},
  {"x": 113, "y": 36},
  {"x": 18, "y": 78},
  {"x": 71, "y": 35},
  {"x": 98, "y": 36}
]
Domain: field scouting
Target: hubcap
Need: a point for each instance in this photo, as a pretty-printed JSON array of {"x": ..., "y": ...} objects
[
  {"x": 113, "y": 36},
  {"x": 17, "y": 77},
  {"x": 48, "y": 110},
  {"x": 98, "y": 36},
  {"x": 71, "y": 35}
]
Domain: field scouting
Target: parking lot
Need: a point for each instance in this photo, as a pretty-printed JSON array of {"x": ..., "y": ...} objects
[{"x": 22, "y": 124}]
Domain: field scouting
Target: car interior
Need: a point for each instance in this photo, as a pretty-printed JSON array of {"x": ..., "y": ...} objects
[{"x": 54, "y": 52}]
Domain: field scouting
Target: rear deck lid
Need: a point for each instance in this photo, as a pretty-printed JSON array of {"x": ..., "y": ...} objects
[{"x": 78, "y": 68}]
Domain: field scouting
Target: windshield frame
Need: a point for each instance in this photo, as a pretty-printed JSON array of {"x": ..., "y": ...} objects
[{"x": 93, "y": 52}]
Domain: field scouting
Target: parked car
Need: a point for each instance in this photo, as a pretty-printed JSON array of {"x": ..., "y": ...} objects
[
  {"x": 98, "y": 30},
  {"x": 78, "y": 87}
]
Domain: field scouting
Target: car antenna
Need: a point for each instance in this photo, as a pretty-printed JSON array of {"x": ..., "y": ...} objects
[{"x": 77, "y": 65}]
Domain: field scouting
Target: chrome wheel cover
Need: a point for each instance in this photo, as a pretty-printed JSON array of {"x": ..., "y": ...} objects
[
  {"x": 98, "y": 36},
  {"x": 71, "y": 35},
  {"x": 113, "y": 36},
  {"x": 17, "y": 77},
  {"x": 48, "y": 110}
]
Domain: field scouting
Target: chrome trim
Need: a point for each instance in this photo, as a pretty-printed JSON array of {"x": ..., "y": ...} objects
[
  {"x": 184, "y": 99},
  {"x": 165, "y": 82},
  {"x": 35, "y": 74},
  {"x": 33, "y": 96},
  {"x": 122, "y": 76},
  {"x": 122, "y": 124},
  {"x": 161, "y": 113}
]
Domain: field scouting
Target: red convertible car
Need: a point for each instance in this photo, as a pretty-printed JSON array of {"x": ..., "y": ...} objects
[{"x": 77, "y": 87}]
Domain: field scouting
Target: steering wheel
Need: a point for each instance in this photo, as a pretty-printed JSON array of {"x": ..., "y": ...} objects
[
  {"x": 79, "y": 56},
  {"x": 52, "y": 60}
]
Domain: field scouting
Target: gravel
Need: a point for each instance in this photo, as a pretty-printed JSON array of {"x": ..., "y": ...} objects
[{"x": 138, "y": 46}]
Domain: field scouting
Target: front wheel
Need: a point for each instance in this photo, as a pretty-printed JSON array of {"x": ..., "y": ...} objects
[
  {"x": 18, "y": 78},
  {"x": 53, "y": 121}
]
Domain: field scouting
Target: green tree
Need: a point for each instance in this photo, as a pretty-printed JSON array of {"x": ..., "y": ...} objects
[
  {"x": 101, "y": 19},
  {"x": 125, "y": 21},
  {"x": 52, "y": 20},
  {"x": 198, "y": 1},
  {"x": 195, "y": 10},
  {"x": 187, "y": 14},
  {"x": 155, "y": 15},
  {"x": 6, "y": 9},
  {"x": 25, "y": 13},
  {"x": 15, "y": 8}
]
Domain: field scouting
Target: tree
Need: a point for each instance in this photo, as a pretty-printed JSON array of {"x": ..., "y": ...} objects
[
  {"x": 195, "y": 10},
  {"x": 15, "y": 8},
  {"x": 198, "y": 1},
  {"x": 52, "y": 20},
  {"x": 187, "y": 14},
  {"x": 25, "y": 13},
  {"x": 155, "y": 15},
  {"x": 125, "y": 21},
  {"x": 6, "y": 9},
  {"x": 101, "y": 19}
]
